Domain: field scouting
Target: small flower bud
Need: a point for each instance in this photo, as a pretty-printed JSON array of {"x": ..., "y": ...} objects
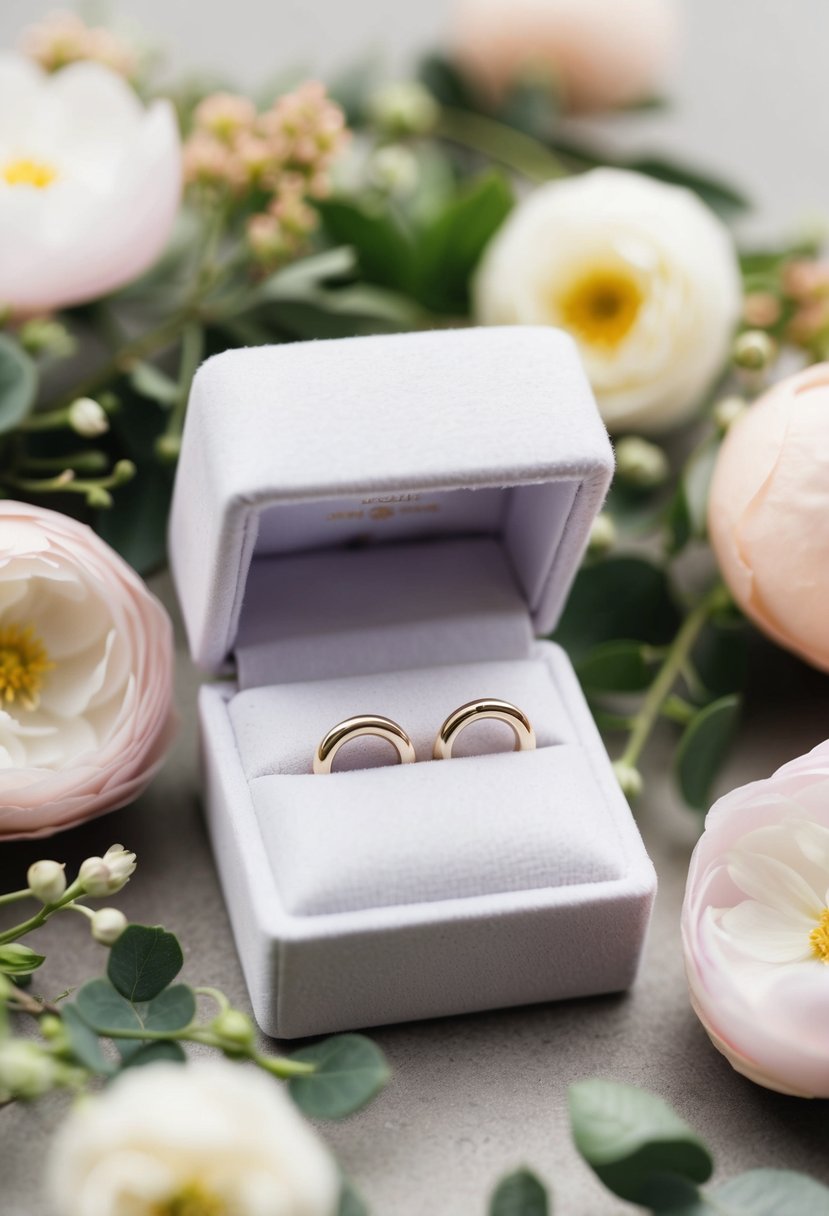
[
  {"x": 235, "y": 1027},
  {"x": 761, "y": 309},
  {"x": 404, "y": 108},
  {"x": 99, "y": 498},
  {"x": 42, "y": 335},
  {"x": 107, "y": 925},
  {"x": 640, "y": 463},
  {"x": 167, "y": 448},
  {"x": 629, "y": 778},
  {"x": 87, "y": 418},
  {"x": 728, "y": 410},
  {"x": 754, "y": 351},
  {"x": 26, "y": 1071},
  {"x": 46, "y": 881},
  {"x": 51, "y": 1027},
  {"x": 108, "y": 874},
  {"x": 602, "y": 535},
  {"x": 394, "y": 170}
]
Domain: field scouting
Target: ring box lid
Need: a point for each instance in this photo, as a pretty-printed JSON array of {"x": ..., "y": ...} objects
[{"x": 355, "y": 479}]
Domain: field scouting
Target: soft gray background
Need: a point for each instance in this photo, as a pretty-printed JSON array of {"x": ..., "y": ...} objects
[{"x": 472, "y": 1097}]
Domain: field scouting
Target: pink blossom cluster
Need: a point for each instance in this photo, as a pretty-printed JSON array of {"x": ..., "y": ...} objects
[
  {"x": 806, "y": 283},
  {"x": 275, "y": 160},
  {"x": 63, "y": 37}
]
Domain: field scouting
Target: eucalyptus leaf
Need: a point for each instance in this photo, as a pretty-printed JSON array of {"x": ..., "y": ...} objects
[
  {"x": 446, "y": 83},
  {"x": 618, "y": 598},
  {"x": 720, "y": 657},
  {"x": 520, "y": 1194},
  {"x": 703, "y": 748},
  {"x": 678, "y": 521},
  {"x": 84, "y": 1042},
  {"x": 351, "y": 1070},
  {"x": 144, "y": 961},
  {"x": 633, "y": 1140},
  {"x": 532, "y": 106},
  {"x": 104, "y": 1009},
  {"x": 17, "y": 960},
  {"x": 151, "y": 1053},
  {"x": 172, "y": 1009},
  {"x": 696, "y": 481},
  {"x": 18, "y": 384},
  {"x": 621, "y": 666},
  {"x": 296, "y": 280},
  {"x": 136, "y": 523},
  {"x": 770, "y": 1193}
]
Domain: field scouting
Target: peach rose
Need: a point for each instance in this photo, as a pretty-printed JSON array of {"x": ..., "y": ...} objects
[
  {"x": 602, "y": 54},
  {"x": 768, "y": 513},
  {"x": 755, "y": 927},
  {"x": 86, "y": 667}
]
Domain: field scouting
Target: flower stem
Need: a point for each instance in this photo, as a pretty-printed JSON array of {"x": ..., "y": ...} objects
[
  {"x": 675, "y": 659},
  {"x": 42, "y": 915},
  {"x": 513, "y": 149},
  {"x": 14, "y": 896}
]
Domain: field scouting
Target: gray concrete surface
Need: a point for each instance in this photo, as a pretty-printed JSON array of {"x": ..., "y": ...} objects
[{"x": 472, "y": 1097}]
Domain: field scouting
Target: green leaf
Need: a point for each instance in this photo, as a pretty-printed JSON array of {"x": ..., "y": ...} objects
[
  {"x": 144, "y": 961},
  {"x": 17, "y": 960},
  {"x": 298, "y": 279},
  {"x": 531, "y": 106},
  {"x": 172, "y": 1009},
  {"x": 618, "y": 598},
  {"x": 720, "y": 657},
  {"x": 136, "y": 523},
  {"x": 449, "y": 248},
  {"x": 678, "y": 522},
  {"x": 151, "y": 1053},
  {"x": 104, "y": 1009},
  {"x": 616, "y": 667},
  {"x": 771, "y": 1193},
  {"x": 446, "y": 84},
  {"x": 519, "y": 1194},
  {"x": 18, "y": 384},
  {"x": 703, "y": 748},
  {"x": 351, "y": 1070},
  {"x": 351, "y": 1204},
  {"x": 696, "y": 481},
  {"x": 150, "y": 381},
  {"x": 384, "y": 251},
  {"x": 84, "y": 1042},
  {"x": 633, "y": 1140}
]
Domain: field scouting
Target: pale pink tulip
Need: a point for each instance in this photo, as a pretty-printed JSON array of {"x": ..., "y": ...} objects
[
  {"x": 601, "y": 54},
  {"x": 768, "y": 514},
  {"x": 90, "y": 182},
  {"x": 86, "y": 672},
  {"x": 755, "y": 927}
]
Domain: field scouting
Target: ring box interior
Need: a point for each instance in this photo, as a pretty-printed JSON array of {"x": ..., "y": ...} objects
[{"x": 387, "y": 525}]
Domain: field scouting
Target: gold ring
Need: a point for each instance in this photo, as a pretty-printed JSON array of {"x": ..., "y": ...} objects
[
  {"x": 355, "y": 728},
  {"x": 475, "y": 711}
]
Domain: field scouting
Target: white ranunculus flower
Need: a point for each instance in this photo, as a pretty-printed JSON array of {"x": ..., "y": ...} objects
[
  {"x": 90, "y": 181},
  {"x": 209, "y": 1137},
  {"x": 643, "y": 275}
]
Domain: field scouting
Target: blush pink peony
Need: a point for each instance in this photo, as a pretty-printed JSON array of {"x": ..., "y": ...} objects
[
  {"x": 768, "y": 513},
  {"x": 755, "y": 927},
  {"x": 86, "y": 673},
  {"x": 601, "y": 54}
]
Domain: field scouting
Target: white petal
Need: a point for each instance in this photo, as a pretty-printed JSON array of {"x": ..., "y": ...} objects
[
  {"x": 773, "y": 883},
  {"x": 766, "y": 934}
]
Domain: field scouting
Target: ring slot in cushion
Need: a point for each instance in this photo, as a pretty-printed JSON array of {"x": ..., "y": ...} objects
[{"x": 510, "y": 822}]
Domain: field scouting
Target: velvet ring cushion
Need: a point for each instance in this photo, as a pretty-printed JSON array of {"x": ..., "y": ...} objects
[
  {"x": 357, "y": 727},
  {"x": 481, "y": 710}
]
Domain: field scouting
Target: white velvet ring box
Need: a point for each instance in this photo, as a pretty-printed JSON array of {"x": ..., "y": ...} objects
[{"x": 383, "y": 525}]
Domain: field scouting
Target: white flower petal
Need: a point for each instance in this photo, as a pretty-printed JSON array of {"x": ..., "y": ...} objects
[
  {"x": 767, "y": 934},
  {"x": 773, "y": 883}
]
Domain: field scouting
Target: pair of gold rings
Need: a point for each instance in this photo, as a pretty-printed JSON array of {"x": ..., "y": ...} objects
[{"x": 392, "y": 732}]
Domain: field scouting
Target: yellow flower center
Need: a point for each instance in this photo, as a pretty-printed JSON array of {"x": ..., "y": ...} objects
[
  {"x": 25, "y": 171},
  {"x": 23, "y": 664},
  {"x": 819, "y": 937},
  {"x": 192, "y": 1200},
  {"x": 601, "y": 307}
]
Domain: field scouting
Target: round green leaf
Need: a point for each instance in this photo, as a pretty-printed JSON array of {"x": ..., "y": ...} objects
[
  {"x": 633, "y": 1140},
  {"x": 85, "y": 1044},
  {"x": 720, "y": 657},
  {"x": 771, "y": 1193},
  {"x": 617, "y": 598},
  {"x": 350, "y": 1071},
  {"x": 519, "y": 1194},
  {"x": 172, "y": 1009},
  {"x": 615, "y": 667},
  {"x": 703, "y": 748},
  {"x": 151, "y": 1053},
  {"x": 143, "y": 961},
  {"x": 104, "y": 1009},
  {"x": 18, "y": 384},
  {"x": 351, "y": 1204}
]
